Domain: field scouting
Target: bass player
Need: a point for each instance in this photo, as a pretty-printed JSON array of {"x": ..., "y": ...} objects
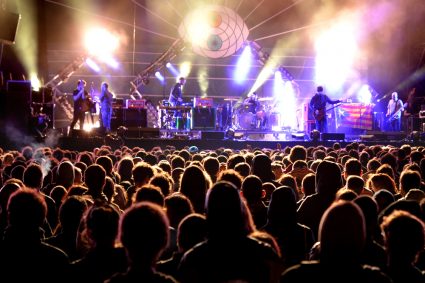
[{"x": 394, "y": 109}]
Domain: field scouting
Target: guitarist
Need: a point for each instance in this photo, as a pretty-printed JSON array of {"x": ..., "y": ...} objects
[
  {"x": 394, "y": 109},
  {"x": 318, "y": 107},
  {"x": 80, "y": 96}
]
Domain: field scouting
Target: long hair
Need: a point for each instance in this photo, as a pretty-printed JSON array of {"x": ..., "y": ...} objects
[{"x": 227, "y": 215}]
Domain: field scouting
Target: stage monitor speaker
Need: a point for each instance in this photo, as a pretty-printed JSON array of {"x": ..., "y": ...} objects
[
  {"x": 203, "y": 118},
  {"x": 149, "y": 132},
  {"x": 212, "y": 135},
  {"x": 17, "y": 104},
  {"x": 9, "y": 25},
  {"x": 383, "y": 136},
  {"x": 94, "y": 132},
  {"x": 133, "y": 117},
  {"x": 140, "y": 132},
  {"x": 332, "y": 136},
  {"x": 117, "y": 118}
]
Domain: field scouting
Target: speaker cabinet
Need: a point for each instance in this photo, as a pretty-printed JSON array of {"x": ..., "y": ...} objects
[
  {"x": 17, "y": 106},
  {"x": 149, "y": 132},
  {"x": 134, "y": 118},
  {"x": 212, "y": 135},
  {"x": 383, "y": 136},
  {"x": 203, "y": 118},
  {"x": 139, "y": 132},
  {"x": 9, "y": 24},
  {"x": 117, "y": 118},
  {"x": 332, "y": 136}
]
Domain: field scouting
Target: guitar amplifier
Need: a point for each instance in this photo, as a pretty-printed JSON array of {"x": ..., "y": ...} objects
[
  {"x": 203, "y": 102},
  {"x": 133, "y": 117},
  {"x": 203, "y": 118},
  {"x": 117, "y": 103},
  {"x": 135, "y": 103}
]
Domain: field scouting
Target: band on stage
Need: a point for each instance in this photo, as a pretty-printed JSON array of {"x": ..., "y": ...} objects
[{"x": 246, "y": 113}]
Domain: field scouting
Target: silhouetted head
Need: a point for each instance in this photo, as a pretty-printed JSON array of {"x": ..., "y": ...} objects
[
  {"x": 283, "y": 207},
  {"x": 227, "y": 215},
  {"x": 342, "y": 234},
  {"x": 144, "y": 233},
  {"x": 328, "y": 178}
]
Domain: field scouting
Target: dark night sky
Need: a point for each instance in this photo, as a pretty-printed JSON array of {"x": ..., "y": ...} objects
[{"x": 394, "y": 48}]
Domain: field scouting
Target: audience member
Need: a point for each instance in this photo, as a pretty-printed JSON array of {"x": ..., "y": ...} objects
[
  {"x": 229, "y": 254},
  {"x": 144, "y": 235}
]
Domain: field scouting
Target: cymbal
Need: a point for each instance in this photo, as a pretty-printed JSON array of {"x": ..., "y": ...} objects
[
  {"x": 265, "y": 98},
  {"x": 231, "y": 99}
]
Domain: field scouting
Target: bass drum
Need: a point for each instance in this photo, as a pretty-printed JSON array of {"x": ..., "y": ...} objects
[{"x": 245, "y": 120}]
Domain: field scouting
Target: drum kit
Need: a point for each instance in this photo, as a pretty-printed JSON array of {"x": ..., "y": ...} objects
[
  {"x": 242, "y": 116},
  {"x": 262, "y": 116}
]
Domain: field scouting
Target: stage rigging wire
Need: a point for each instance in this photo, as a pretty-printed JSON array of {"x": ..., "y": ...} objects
[
  {"x": 110, "y": 19},
  {"x": 239, "y": 5},
  {"x": 253, "y": 10},
  {"x": 275, "y": 15},
  {"x": 292, "y": 30},
  {"x": 174, "y": 9},
  {"x": 153, "y": 13}
]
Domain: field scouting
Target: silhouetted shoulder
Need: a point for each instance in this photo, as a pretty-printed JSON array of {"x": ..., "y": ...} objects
[
  {"x": 314, "y": 271},
  {"x": 155, "y": 277}
]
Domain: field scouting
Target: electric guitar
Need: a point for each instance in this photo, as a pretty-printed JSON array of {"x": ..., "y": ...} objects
[
  {"x": 319, "y": 114},
  {"x": 397, "y": 112}
]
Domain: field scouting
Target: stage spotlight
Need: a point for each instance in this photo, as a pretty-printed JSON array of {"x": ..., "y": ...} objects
[
  {"x": 92, "y": 64},
  {"x": 337, "y": 52},
  {"x": 100, "y": 41},
  {"x": 122, "y": 131},
  {"x": 160, "y": 77},
  {"x": 365, "y": 95},
  {"x": 111, "y": 62},
  {"x": 172, "y": 69},
  {"x": 35, "y": 82},
  {"x": 185, "y": 68},
  {"x": 243, "y": 65},
  {"x": 102, "y": 44},
  {"x": 415, "y": 136},
  {"x": 315, "y": 135},
  {"x": 230, "y": 133}
]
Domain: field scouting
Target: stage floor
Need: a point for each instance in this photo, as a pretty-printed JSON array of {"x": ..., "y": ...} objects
[
  {"x": 148, "y": 138},
  {"x": 239, "y": 139}
]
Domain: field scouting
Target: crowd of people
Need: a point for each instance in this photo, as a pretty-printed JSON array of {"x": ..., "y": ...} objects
[{"x": 352, "y": 213}]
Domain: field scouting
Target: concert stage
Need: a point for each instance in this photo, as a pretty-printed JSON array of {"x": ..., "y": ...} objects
[
  {"x": 238, "y": 139},
  {"x": 234, "y": 138}
]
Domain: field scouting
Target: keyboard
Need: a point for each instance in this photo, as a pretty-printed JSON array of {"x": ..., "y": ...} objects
[{"x": 173, "y": 108}]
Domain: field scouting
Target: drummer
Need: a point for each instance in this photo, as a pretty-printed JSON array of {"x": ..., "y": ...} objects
[
  {"x": 253, "y": 105},
  {"x": 252, "y": 102}
]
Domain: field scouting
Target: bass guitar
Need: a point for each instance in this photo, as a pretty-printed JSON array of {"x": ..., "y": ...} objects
[
  {"x": 87, "y": 104},
  {"x": 392, "y": 117}
]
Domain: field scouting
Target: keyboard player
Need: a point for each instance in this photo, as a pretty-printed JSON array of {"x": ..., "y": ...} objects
[{"x": 176, "y": 99}]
